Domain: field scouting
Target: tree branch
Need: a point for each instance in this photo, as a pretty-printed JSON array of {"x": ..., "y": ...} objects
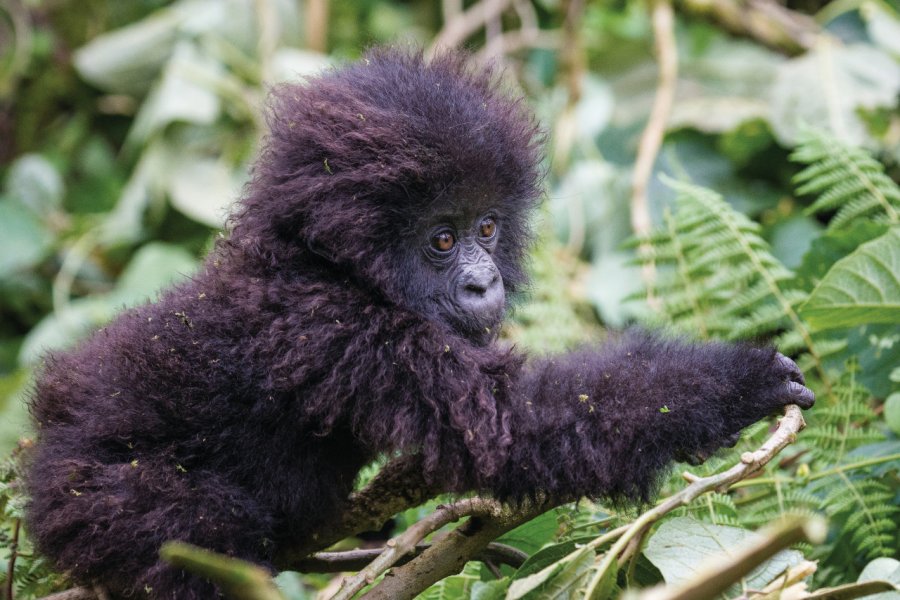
[
  {"x": 370, "y": 507},
  {"x": 751, "y": 462},
  {"x": 449, "y": 554},
  {"x": 406, "y": 542},
  {"x": 652, "y": 137},
  {"x": 765, "y": 21},
  {"x": 354, "y": 560},
  {"x": 466, "y": 23}
]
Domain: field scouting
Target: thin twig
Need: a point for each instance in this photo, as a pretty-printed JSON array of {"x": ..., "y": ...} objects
[
  {"x": 464, "y": 24},
  {"x": 511, "y": 42},
  {"x": 406, "y": 542},
  {"x": 751, "y": 462},
  {"x": 13, "y": 553},
  {"x": 354, "y": 560},
  {"x": 450, "y": 9},
  {"x": 317, "y": 25},
  {"x": 652, "y": 138},
  {"x": 766, "y": 21},
  {"x": 449, "y": 554},
  {"x": 78, "y": 593}
]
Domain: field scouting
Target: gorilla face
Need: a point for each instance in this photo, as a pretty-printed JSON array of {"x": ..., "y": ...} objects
[{"x": 455, "y": 278}]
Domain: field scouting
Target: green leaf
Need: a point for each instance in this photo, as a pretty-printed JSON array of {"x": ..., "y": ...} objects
[
  {"x": 490, "y": 590},
  {"x": 453, "y": 587},
  {"x": 558, "y": 580},
  {"x": 829, "y": 85},
  {"x": 203, "y": 189},
  {"x": 36, "y": 184},
  {"x": 883, "y": 26},
  {"x": 24, "y": 241},
  {"x": 548, "y": 555},
  {"x": 884, "y": 569},
  {"x": 681, "y": 545},
  {"x": 892, "y": 412},
  {"x": 792, "y": 237},
  {"x": 184, "y": 93},
  {"x": 832, "y": 246},
  {"x": 153, "y": 267},
  {"x": 530, "y": 536},
  {"x": 861, "y": 288}
]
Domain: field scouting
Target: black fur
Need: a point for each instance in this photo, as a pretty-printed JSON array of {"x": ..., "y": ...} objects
[{"x": 235, "y": 412}]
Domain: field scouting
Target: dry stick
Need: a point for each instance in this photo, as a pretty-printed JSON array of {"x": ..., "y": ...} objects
[
  {"x": 449, "y": 554},
  {"x": 716, "y": 576},
  {"x": 13, "y": 553},
  {"x": 520, "y": 39},
  {"x": 317, "y": 25},
  {"x": 751, "y": 462},
  {"x": 450, "y": 9},
  {"x": 354, "y": 560},
  {"x": 466, "y": 23},
  {"x": 765, "y": 21},
  {"x": 652, "y": 137},
  {"x": 79, "y": 593},
  {"x": 406, "y": 542}
]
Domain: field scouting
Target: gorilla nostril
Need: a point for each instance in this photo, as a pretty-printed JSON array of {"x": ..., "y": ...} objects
[{"x": 476, "y": 288}]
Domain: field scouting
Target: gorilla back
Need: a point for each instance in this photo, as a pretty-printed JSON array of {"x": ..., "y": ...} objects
[{"x": 352, "y": 310}]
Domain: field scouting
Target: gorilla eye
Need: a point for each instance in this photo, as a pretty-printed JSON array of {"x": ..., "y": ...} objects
[
  {"x": 488, "y": 227},
  {"x": 443, "y": 241}
]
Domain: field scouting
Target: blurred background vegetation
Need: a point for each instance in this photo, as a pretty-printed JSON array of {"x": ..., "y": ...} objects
[{"x": 127, "y": 127}]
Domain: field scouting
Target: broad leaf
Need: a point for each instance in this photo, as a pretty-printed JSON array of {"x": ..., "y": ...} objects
[
  {"x": 862, "y": 288},
  {"x": 681, "y": 545},
  {"x": 24, "y": 241},
  {"x": 559, "y": 580},
  {"x": 829, "y": 85}
]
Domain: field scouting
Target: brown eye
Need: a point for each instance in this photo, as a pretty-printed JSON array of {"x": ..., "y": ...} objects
[
  {"x": 488, "y": 227},
  {"x": 443, "y": 241}
]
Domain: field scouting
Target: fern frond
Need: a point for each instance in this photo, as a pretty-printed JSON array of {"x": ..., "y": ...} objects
[
  {"x": 844, "y": 425},
  {"x": 865, "y": 512},
  {"x": 846, "y": 179},
  {"x": 724, "y": 280}
]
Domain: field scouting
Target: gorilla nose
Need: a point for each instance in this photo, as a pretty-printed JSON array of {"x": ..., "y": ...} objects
[{"x": 481, "y": 292}]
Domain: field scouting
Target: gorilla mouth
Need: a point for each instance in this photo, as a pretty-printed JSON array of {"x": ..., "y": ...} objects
[{"x": 480, "y": 328}]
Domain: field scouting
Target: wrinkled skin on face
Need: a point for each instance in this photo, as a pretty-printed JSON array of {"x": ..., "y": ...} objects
[{"x": 454, "y": 278}]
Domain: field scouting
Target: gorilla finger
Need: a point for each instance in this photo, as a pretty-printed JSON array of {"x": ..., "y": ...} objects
[
  {"x": 796, "y": 393},
  {"x": 793, "y": 371}
]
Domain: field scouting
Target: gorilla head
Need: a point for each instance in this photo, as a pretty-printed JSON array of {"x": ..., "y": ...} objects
[{"x": 415, "y": 178}]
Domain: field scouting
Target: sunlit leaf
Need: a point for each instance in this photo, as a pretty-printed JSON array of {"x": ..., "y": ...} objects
[
  {"x": 885, "y": 569},
  {"x": 681, "y": 545},
  {"x": 828, "y": 85},
  {"x": 862, "y": 288},
  {"x": 36, "y": 184},
  {"x": 203, "y": 189},
  {"x": 24, "y": 241},
  {"x": 184, "y": 93}
]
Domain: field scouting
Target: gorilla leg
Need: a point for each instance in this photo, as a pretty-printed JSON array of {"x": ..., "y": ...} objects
[{"x": 106, "y": 522}]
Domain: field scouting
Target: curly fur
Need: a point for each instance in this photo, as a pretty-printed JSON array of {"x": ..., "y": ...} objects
[{"x": 235, "y": 412}]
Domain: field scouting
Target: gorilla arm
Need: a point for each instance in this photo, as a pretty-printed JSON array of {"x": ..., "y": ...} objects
[
  {"x": 602, "y": 421},
  {"x": 607, "y": 421}
]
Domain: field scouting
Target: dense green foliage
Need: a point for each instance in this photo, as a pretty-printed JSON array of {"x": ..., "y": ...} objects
[{"x": 127, "y": 128}]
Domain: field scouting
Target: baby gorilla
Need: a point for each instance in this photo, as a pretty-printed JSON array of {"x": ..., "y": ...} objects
[{"x": 352, "y": 311}]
